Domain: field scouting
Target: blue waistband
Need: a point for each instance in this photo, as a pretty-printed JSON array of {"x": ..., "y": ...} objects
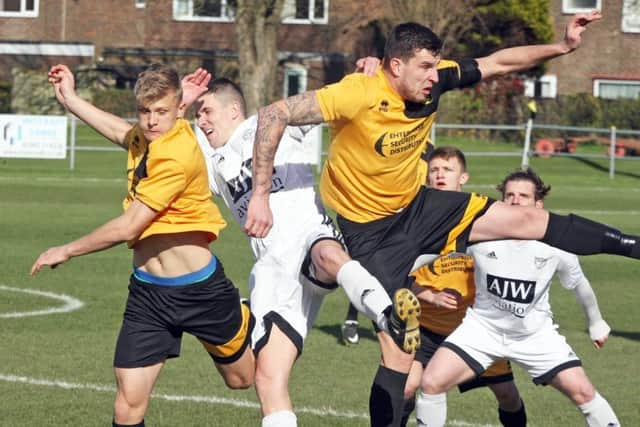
[{"x": 185, "y": 279}]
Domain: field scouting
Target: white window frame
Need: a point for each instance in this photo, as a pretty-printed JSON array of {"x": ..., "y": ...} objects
[
  {"x": 568, "y": 7},
  {"x": 288, "y": 13},
  {"x": 293, "y": 69},
  {"x": 598, "y": 82},
  {"x": 140, "y": 4},
  {"x": 630, "y": 18},
  {"x": 548, "y": 79},
  {"x": 23, "y": 12},
  {"x": 229, "y": 17}
]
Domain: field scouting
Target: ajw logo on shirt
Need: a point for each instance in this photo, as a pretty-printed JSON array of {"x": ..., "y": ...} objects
[{"x": 515, "y": 290}]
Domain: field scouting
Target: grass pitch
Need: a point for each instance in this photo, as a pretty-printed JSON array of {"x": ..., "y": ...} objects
[{"x": 56, "y": 368}]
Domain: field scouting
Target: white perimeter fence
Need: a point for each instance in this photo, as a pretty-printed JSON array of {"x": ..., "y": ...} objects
[{"x": 610, "y": 135}]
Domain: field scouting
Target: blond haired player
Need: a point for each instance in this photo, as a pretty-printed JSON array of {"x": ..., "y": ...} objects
[{"x": 169, "y": 220}]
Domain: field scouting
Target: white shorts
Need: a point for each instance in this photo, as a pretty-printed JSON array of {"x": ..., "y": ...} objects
[
  {"x": 283, "y": 289},
  {"x": 542, "y": 354}
]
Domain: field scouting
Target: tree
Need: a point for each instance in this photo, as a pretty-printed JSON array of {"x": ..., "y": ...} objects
[{"x": 256, "y": 31}]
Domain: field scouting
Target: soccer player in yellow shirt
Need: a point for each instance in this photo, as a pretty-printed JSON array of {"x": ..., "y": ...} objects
[{"x": 169, "y": 220}]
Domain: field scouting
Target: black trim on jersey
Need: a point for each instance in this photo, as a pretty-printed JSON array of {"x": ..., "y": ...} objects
[
  {"x": 547, "y": 377},
  {"x": 448, "y": 79},
  {"x": 140, "y": 171},
  {"x": 470, "y": 361},
  {"x": 272, "y": 318},
  {"x": 484, "y": 381}
]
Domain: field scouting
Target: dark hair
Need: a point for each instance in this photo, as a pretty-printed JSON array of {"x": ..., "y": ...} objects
[
  {"x": 405, "y": 39},
  {"x": 446, "y": 152},
  {"x": 526, "y": 175},
  {"x": 228, "y": 90}
]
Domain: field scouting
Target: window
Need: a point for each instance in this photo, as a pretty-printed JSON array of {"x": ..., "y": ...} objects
[
  {"x": 295, "y": 79},
  {"x": 614, "y": 89},
  {"x": 305, "y": 12},
  {"x": 631, "y": 16},
  {"x": 204, "y": 10},
  {"x": 543, "y": 87},
  {"x": 140, "y": 4},
  {"x": 576, "y": 6},
  {"x": 19, "y": 8}
]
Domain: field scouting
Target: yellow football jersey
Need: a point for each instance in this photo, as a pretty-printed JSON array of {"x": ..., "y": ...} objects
[
  {"x": 169, "y": 175},
  {"x": 373, "y": 168},
  {"x": 453, "y": 273}
]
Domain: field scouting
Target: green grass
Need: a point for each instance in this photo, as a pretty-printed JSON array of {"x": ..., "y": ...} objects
[{"x": 44, "y": 204}]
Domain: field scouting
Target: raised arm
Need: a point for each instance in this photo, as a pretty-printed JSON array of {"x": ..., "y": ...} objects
[
  {"x": 110, "y": 126},
  {"x": 302, "y": 109},
  {"x": 523, "y": 57}
]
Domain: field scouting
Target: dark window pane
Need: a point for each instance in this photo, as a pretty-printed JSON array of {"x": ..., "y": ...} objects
[
  {"x": 11, "y": 6},
  {"x": 318, "y": 9},
  {"x": 211, "y": 8},
  {"x": 302, "y": 9},
  {"x": 293, "y": 84},
  {"x": 31, "y": 5}
]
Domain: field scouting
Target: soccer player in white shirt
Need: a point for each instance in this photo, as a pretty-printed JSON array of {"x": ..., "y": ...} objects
[
  {"x": 303, "y": 256},
  {"x": 511, "y": 316}
]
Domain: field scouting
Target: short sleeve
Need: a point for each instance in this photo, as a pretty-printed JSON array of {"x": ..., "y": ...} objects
[{"x": 345, "y": 99}]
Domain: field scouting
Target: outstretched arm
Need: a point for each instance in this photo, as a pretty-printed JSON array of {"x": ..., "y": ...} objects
[
  {"x": 598, "y": 328},
  {"x": 126, "y": 227},
  {"x": 302, "y": 109},
  {"x": 523, "y": 57},
  {"x": 110, "y": 126}
]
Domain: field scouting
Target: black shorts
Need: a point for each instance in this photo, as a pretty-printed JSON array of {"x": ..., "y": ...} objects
[
  {"x": 499, "y": 372},
  {"x": 434, "y": 222},
  {"x": 156, "y": 316}
]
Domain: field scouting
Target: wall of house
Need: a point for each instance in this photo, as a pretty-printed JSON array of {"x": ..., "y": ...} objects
[{"x": 605, "y": 50}]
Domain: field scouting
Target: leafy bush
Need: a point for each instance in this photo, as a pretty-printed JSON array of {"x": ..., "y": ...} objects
[{"x": 120, "y": 102}]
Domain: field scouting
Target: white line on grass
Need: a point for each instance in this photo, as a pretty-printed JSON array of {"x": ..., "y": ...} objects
[
  {"x": 70, "y": 303},
  {"x": 240, "y": 403}
]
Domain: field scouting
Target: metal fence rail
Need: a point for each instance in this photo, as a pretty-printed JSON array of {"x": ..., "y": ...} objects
[{"x": 526, "y": 152}]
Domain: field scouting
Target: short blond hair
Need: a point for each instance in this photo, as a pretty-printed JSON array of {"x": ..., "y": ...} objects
[{"x": 156, "y": 82}]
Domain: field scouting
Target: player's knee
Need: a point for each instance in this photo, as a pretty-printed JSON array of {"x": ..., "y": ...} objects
[
  {"x": 328, "y": 256},
  {"x": 582, "y": 393},
  {"x": 431, "y": 385},
  {"x": 239, "y": 381},
  {"x": 129, "y": 408}
]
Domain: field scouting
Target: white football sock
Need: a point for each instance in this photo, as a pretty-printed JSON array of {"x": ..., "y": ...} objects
[
  {"x": 431, "y": 409},
  {"x": 364, "y": 291},
  {"x": 280, "y": 419},
  {"x": 598, "y": 413}
]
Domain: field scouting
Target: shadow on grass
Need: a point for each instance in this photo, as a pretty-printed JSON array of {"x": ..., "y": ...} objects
[
  {"x": 334, "y": 331},
  {"x": 597, "y": 166},
  {"x": 635, "y": 336}
]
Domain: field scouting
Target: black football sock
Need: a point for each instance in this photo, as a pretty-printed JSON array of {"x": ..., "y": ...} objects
[
  {"x": 581, "y": 236},
  {"x": 386, "y": 401},
  {"x": 140, "y": 424},
  {"x": 513, "y": 419}
]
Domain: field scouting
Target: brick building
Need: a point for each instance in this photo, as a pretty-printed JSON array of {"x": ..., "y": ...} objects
[{"x": 317, "y": 40}]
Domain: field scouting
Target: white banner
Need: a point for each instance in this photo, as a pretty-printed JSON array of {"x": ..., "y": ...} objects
[{"x": 34, "y": 137}]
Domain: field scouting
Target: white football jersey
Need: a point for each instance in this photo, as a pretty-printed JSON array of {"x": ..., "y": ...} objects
[
  {"x": 293, "y": 200},
  {"x": 512, "y": 282}
]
